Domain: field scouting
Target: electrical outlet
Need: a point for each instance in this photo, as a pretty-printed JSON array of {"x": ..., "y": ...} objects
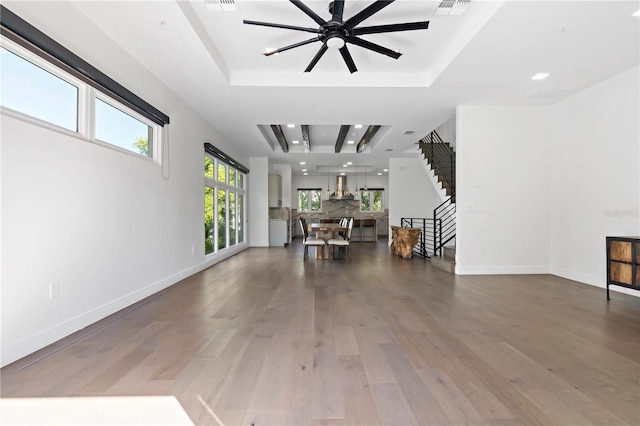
[{"x": 54, "y": 290}]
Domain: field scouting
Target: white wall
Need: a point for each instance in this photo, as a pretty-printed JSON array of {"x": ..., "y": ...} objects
[
  {"x": 503, "y": 184},
  {"x": 259, "y": 200},
  {"x": 411, "y": 193},
  {"x": 447, "y": 131},
  {"x": 595, "y": 159},
  {"x": 539, "y": 188},
  {"x": 102, "y": 224}
]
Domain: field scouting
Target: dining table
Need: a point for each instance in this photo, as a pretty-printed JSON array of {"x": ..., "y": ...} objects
[{"x": 325, "y": 231}]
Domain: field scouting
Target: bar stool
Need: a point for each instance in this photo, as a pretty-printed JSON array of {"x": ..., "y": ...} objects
[{"x": 368, "y": 225}]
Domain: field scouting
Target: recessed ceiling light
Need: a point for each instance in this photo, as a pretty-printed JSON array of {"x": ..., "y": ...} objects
[
  {"x": 385, "y": 170},
  {"x": 540, "y": 76},
  {"x": 291, "y": 126},
  {"x": 344, "y": 165},
  {"x": 342, "y": 173},
  {"x": 358, "y": 126},
  {"x": 304, "y": 170},
  {"x": 303, "y": 162},
  {"x": 379, "y": 173},
  {"x": 637, "y": 13},
  {"x": 349, "y": 162},
  {"x": 349, "y": 142},
  {"x": 306, "y": 174},
  {"x": 295, "y": 142}
]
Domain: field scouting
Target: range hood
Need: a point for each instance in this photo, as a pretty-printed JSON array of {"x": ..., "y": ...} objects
[{"x": 342, "y": 191}]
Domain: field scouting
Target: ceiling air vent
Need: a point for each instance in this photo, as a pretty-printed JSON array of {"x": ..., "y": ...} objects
[
  {"x": 221, "y": 5},
  {"x": 548, "y": 94},
  {"x": 452, "y": 7}
]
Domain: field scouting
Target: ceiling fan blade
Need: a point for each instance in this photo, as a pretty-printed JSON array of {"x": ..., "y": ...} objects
[
  {"x": 375, "y": 47},
  {"x": 303, "y": 7},
  {"x": 286, "y": 27},
  {"x": 338, "y": 9},
  {"x": 407, "y": 26},
  {"x": 316, "y": 58},
  {"x": 348, "y": 59},
  {"x": 368, "y": 11},
  {"x": 291, "y": 46}
]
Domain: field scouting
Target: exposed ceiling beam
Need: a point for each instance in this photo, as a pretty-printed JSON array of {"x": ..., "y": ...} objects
[
  {"x": 366, "y": 138},
  {"x": 342, "y": 135},
  {"x": 277, "y": 130},
  {"x": 306, "y": 141}
]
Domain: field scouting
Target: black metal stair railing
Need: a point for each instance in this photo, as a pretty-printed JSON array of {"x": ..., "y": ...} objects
[
  {"x": 444, "y": 220},
  {"x": 424, "y": 247},
  {"x": 435, "y": 232},
  {"x": 442, "y": 159}
]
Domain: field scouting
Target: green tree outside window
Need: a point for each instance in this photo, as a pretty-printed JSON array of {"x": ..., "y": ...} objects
[
  {"x": 371, "y": 201},
  {"x": 309, "y": 200},
  {"x": 222, "y": 219},
  {"x": 208, "y": 167},
  {"x": 208, "y": 220}
]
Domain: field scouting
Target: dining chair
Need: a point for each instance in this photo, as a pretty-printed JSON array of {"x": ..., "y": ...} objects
[
  {"x": 344, "y": 221},
  {"x": 343, "y": 243},
  {"x": 306, "y": 241}
]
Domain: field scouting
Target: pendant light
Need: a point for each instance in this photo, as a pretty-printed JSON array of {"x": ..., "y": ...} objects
[
  {"x": 365, "y": 178},
  {"x": 328, "y": 190},
  {"x": 346, "y": 186},
  {"x": 357, "y": 189}
]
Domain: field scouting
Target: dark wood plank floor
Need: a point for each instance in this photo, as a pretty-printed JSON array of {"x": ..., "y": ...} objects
[{"x": 267, "y": 338}]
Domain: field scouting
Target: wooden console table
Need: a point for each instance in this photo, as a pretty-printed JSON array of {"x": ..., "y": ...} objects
[
  {"x": 623, "y": 262},
  {"x": 403, "y": 240}
]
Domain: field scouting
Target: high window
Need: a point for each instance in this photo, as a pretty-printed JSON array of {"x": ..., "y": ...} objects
[
  {"x": 309, "y": 200},
  {"x": 371, "y": 200},
  {"x": 224, "y": 196},
  {"x": 38, "y": 91},
  {"x": 116, "y": 125},
  {"x": 46, "y": 84}
]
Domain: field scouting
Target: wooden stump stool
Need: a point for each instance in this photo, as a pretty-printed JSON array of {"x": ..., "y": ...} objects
[{"x": 403, "y": 240}]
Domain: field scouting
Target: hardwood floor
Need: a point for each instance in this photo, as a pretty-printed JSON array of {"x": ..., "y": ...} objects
[{"x": 267, "y": 338}]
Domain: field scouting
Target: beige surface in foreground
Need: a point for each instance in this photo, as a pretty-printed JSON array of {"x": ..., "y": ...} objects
[{"x": 129, "y": 410}]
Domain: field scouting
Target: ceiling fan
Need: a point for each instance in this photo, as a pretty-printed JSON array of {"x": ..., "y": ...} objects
[{"x": 336, "y": 32}]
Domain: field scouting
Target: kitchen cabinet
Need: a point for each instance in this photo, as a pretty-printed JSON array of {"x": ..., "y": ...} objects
[
  {"x": 275, "y": 190},
  {"x": 278, "y": 232}
]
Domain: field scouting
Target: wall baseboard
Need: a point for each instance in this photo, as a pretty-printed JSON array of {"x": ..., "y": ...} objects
[
  {"x": 30, "y": 344},
  {"x": 501, "y": 270},
  {"x": 593, "y": 280}
]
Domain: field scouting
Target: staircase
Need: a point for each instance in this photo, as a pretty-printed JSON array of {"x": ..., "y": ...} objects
[
  {"x": 441, "y": 159},
  {"x": 446, "y": 262}
]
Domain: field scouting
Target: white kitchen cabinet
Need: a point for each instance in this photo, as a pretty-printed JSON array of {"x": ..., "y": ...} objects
[
  {"x": 275, "y": 190},
  {"x": 278, "y": 232}
]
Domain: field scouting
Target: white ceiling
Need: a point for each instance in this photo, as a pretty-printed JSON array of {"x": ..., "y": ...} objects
[{"x": 487, "y": 56}]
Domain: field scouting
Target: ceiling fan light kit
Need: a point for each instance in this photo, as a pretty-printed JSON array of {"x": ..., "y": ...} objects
[
  {"x": 336, "y": 33},
  {"x": 335, "y": 43}
]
